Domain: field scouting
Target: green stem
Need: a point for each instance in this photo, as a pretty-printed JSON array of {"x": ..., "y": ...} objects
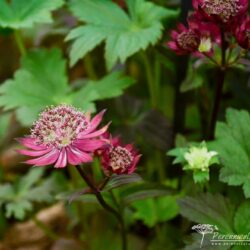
[
  {"x": 45, "y": 229},
  {"x": 150, "y": 79},
  {"x": 78, "y": 206},
  {"x": 20, "y": 43},
  {"x": 211, "y": 59},
  {"x": 160, "y": 164},
  {"x": 219, "y": 86},
  {"x": 105, "y": 205}
]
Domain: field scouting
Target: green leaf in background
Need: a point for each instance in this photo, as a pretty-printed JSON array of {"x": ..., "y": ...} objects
[
  {"x": 42, "y": 81},
  {"x": 18, "y": 209},
  {"x": 18, "y": 14},
  {"x": 7, "y": 192},
  {"x": 152, "y": 211},
  {"x": 18, "y": 198},
  {"x": 242, "y": 218},
  {"x": 121, "y": 180},
  {"x": 4, "y": 125},
  {"x": 29, "y": 180},
  {"x": 142, "y": 191},
  {"x": 124, "y": 34},
  {"x": 209, "y": 209},
  {"x": 195, "y": 76},
  {"x": 233, "y": 145},
  {"x": 110, "y": 86},
  {"x": 178, "y": 153}
]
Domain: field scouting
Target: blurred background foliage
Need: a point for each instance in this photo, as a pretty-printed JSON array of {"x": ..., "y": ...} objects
[{"x": 97, "y": 54}]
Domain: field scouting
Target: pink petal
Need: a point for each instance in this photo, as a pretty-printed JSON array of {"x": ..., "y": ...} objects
[
  {"x": 62, "y": 159},
  {"x": 172, "y": 45},
  {"x": 46, "y": 159},
  {"x": 99, "y": 132},
  {"x": 89, "y": 145},
  {"x": 181, "y": 27},
  {"x": 33, "y": 153},
  {"x": 72, "y": 158},
  {"x": 135, "y": 162},
  {"x": 129, "y": 147},
  {"x": 30, "y": 143},
  {"x": 96, "y": 121},
  {"x": 79, "y": 156},
  {"x": 174, "y": 34}
]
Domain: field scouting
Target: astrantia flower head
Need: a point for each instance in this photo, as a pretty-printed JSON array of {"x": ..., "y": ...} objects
[
  {"x": 63, "y": 135},
  {"x": 204, "y": 28},
  {"x": 184, "y": 41},
  {"x": 222, "y": 11},
  {"x": 119, "y": 159},
  {"x": 199, "y": 158},
  {"x": 243, "y": 34}
]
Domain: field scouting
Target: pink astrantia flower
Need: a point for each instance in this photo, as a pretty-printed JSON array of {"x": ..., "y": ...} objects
[
  {"x": 63, "y": 135},
  {"x": 203, "y": 28},
  {"x": 119, "y": 159},
  {"x": 221, "y": 11},
  {"x": 184, "y": 40},
  {"x": 243, "y": 34}
]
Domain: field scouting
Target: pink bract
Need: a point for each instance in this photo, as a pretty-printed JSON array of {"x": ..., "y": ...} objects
[
  {"x": 243, "y": 34},
  {"x": 223, "y": 12},
  {"x": 204, "y": 28},
  {"x": 63, "y": 135},
  {"x": 184, "y": 40},
  {"x": 119, "y": 159}
]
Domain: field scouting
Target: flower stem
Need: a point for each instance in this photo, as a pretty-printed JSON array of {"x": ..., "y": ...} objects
[
  {"x": 105, "y": 205},
  {"x": 202, "y": 240},
  {"x": 20, "y": 43},
  {"x": 151, "y": 81},
  {"x": 219, "y": 87}
]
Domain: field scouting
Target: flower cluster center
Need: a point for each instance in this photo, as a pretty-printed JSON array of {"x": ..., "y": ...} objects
[
  {"x": 188, "y": 40},
  {"x": 120, "y": 158},
  {"x": 59, "y": 126},
  {"x": 223, "y": 8}
]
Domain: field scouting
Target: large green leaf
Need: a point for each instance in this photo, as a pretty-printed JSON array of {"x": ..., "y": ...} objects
[
  {"x": 110, "y": 86},
  {"x": 242, "y": 217},
  {"x": 42, "y": 81},
  {"x": 124, "y": 34},
  {"x": 152, "y": 211},
  {"x": 233, "y": 145},
  {"x": 17, "y": 14},
  {"x": 209, "y": 209}
]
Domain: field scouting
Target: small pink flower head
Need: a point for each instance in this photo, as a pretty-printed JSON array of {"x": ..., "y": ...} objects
[
  {"x": 203, "y": 28},
  {"x": 63, "y": 135},
  {"x": 243, "y": 34},
  {"x": 184, "y": 41},
  {"x": 119, "y": 159},
  {"x": 221, "y": 11}
]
